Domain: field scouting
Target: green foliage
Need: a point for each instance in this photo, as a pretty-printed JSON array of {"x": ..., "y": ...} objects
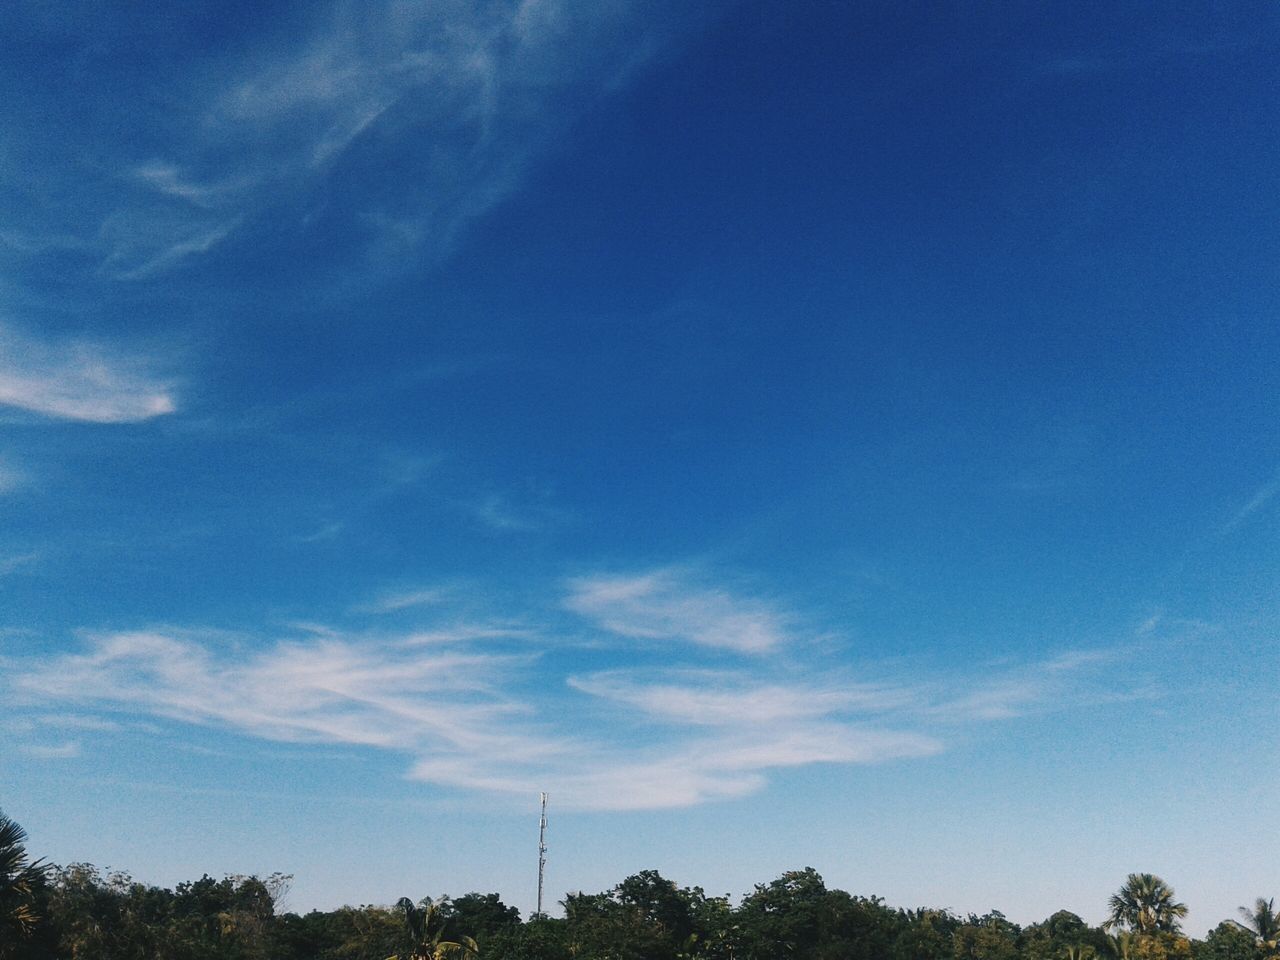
[
  {"x": 989, "y": 937},
  {"x": 114, "y": 917},
  {"x": 19, "y": 881},
  {"x": 480, "y": 916},
  {"x": 1228, "y": 941},
  {"x": 1264, "y": 923},
  {"x": 797, "y": 916},
  {"x": 542, "y": 938},
  {"x": 646, "y": 917},
  {"x": 424, "y": 925},
  {"x": 352, "y": 933},
  {"x": 1145, "y": 905},
  {"x": 81, "y": 913},
  {"x": 1064, "y": 936},
  {"x": 925, "y": 935}
]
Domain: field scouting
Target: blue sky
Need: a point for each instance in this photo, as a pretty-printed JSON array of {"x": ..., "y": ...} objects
[{"x": 824, "y": 433}]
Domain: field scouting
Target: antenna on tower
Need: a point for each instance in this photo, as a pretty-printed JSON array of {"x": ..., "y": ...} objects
[{"x": 542, "y": 849}]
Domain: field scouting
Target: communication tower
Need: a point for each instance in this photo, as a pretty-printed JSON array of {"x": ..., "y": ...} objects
[{"x": 542, "y": 849}]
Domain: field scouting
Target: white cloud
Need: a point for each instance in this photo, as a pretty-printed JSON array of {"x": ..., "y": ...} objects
[
  {"x": 58, "y": 751},
  {"x": 446, "y": 704},
  {"x": 321, "y": 690},
  {"x": 326, "y": 532},
  {"x": 10, "y": 564},
  {"x": 77, "y": 380},
  {"x": 708, "y": 698},
  {"x": 1261, "y": 497},
  {"x": 167, "y": 179},
  {"x": 663, "y": 606},
  {"x": 405, "y": 599},
  {"x": 466, "y": 713},
  {"x": 73, "y": 721},
  {"x": 10, "y": 479},
  {"x": 742, "y": 729},
  {"x": 496, "y": 513},
  {"x": 460, "y": 97},
  {"x": 1016, "y": 690},
  {"x": 142, "y": 245}
]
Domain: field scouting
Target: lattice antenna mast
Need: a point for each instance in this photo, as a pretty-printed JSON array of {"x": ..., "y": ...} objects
[{"x": 542, "y": 849}]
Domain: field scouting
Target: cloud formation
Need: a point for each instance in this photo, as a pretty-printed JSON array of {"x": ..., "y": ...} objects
[
  {"x": 1261, "y": 497},
  {"x": 456, "y": 97},
  {"x": 10, "y": 478},
  {"x": 405, "y": 600},
  {"x": 76, "y": 380},
  {"x": 661, "y": 605},
  {"x": 455, "y": 702}
]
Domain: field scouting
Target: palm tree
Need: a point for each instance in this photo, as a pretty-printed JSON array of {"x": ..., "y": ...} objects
[
  {"x": 17, "y": 876},
  {"x": 1121, "y": 946},
  {"x": 426, "y": 933},
  {"x": 1145, "y": 905},
  {"x": 1264, "y": 923}
]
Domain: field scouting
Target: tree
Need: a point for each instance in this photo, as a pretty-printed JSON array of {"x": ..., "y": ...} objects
[
  {"x": 477, "y": 915},
  {"x": 1228, "y": 941},
  {"x": 425, "y": 929},
  {"x": 542, "y": 938},
  {"x": 990, "y": 937},
  {"x": 1121, "y": 946},
  {"x": 1146, "y": 906},
  {"x": 1063, "y": 935},
  {"x": 1264, "y": 923},
  {"x": 926, "y": 934},
  {"x": 18, "y": 879},
  {"x": 645, "y": 917},
  {"x": 797, "y": 917}
]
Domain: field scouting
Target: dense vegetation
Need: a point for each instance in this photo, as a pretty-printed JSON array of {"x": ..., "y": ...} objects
[{"x": 77, "y": 913}]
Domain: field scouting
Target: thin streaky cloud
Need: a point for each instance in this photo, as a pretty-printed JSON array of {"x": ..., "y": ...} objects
[
  {"x": 467, "y": 634},
  {"x": 135, "y": 255},
  {"x": 16, "y": 562},
  {"x": 1261, "y": 497},
  {"x": 663, "y": 605},
  {"x": 729, "y": 699},
  {"x": 496, "y": 513},
  {"x": 73, "y": 721},
  {"x": 439, "y": 701},
  {"x": 77, "y": 380},
  {"x": 10, "y": 478},
  {"x": 483, "y": 86},
  {"x": 1079, "y": 659},
  {"x": 405, "y": 600},
  {"x": 1022, "y": 689},
  {"x": 454, "y": 699},
  {"x": 58, "y": 751},
  {"x": 447, "y": 706},
  {"x": 167, "y": 179},
  {"x": 711, "y": 699}
]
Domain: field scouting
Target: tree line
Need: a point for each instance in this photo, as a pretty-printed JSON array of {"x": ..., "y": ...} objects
[{"x": 77, "y": 912}]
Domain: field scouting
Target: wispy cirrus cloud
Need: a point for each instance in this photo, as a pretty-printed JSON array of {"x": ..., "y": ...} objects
[
  {"x": 718, "y": 698},
  {"x": 459, "y": 98},
  {"x": 733, "y": 730},
  {"x": 455, "y": 699},
  {"x": 405, "y": 599},
  {"x": 314, "y": 689},
  {"x": 663, "y": 605},
  {"x": 10, "y": 478},
  {"x": 1261, "y": 497},
  {"x": 496, "y": 513},
  {"x": 78, "y": 380},
  {"x": 17, "y": 561},
  {"x": 53, "y": 751}
]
